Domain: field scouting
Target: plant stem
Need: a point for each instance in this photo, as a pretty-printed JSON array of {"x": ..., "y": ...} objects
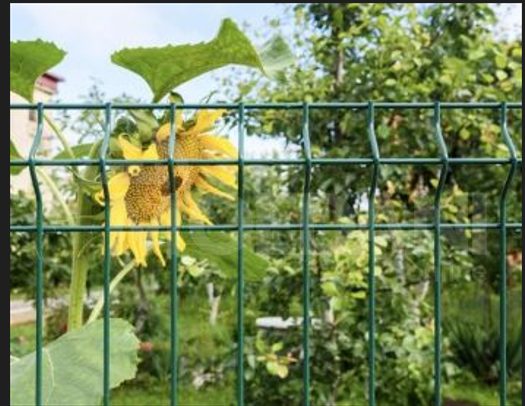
[
  {"x": 80, "y": 261},
  {"x": 61, "y": 137},
  {"x": 79, "y": 268},
  {"x": 114, "y": 283},
  {"x": 57, "y": 195},
  {"x": 79, "y": 272}
]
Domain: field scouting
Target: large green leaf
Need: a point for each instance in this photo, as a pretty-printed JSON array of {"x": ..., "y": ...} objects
[
  {"x": 14, "y": 154},
  {"x": 221, "y": 250},
  {"x": 167, "y": 67},
  {"x": 73, "y": 367},
  {"x": 28, "y": 61}
]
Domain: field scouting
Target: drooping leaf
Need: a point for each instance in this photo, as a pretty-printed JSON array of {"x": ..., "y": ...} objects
[
  {"x": 14, "y": 154},
  {"x": 167, "y": 67},
  {"x": 28, "y": 61},
  {"x": 80, "y": 151},
  {"x": 221, "y": 250},
  {"x": 73, "y": 367}
]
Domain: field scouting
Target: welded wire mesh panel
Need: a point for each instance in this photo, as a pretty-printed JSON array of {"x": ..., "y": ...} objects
[{"x": 444, "y": 163}]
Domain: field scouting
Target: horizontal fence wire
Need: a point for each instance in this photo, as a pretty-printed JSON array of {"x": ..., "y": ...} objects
[
  {"x": 376, "y": 161},
  {"x": 272, "y": 227}
]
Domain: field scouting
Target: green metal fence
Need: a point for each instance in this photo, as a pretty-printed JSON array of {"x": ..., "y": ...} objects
[{"x": 376, "y": 161}]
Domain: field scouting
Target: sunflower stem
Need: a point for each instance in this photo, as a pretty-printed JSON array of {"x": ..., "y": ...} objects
[
  {"x": 79, "y": 268},
  {"x": 80, "y": 260}
]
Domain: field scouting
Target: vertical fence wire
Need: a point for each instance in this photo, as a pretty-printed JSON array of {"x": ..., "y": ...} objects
[
  {"x": 503, "y": 252},
  {"x": 40, "y": 256},
  {"x": 372, "y": 256},
  {"x": 443, "y": 173},
  {"x": 107, "y": 254},
  {"x": 306, "y": 253},
  {"x": 174, "y": 292},
  {"x": 240, "y": 261}
]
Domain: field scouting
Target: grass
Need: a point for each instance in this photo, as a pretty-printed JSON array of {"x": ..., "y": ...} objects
[
  {"x": 159, "y": 396},
  {"x": 22, "y": 340},
  {"x": 475, "y": 393}
]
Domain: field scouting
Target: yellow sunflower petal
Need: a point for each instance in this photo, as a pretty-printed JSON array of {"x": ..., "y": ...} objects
[
  {"x": 121, "y": 245},
  {"x": 118, "y": 186},
  {"x": 189, "y": 207},
  {"x": 165, "y": 220},
  {"x": 164, "y": 131},
  {"x": 141, "y": 238},
  {"x": 156, "y": 244},
  {"x": 129, "y": 150},
  {"x": 181, "y": 244},
  {"x": 134, "y": 244},
  {"x": 222, "y": 174},
  {"x": 205, "y": 119},
  {"x": 206, "y": 187},
  {"x": 151, "y": 152},
  {"x": 222, "y": 145},
  {"x": 118, "y": 218}
]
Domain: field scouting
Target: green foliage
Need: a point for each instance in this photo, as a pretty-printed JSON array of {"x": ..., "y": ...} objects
[
  {"x": 23, "y": 254},
  {"x": 395, "y": 52},
  {"x": 73, "y": 366},
  {"x": 339, "y": 333},
  {"x": 166, "y": 68},
  {"x": 28, "y": 61},
  {"x": 477, "y": 349},
  {"x": 205, "y": 350}
]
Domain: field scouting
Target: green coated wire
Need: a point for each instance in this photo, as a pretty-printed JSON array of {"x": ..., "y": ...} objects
[
  {"x": 306, "y": 254},
  {"x": 107, "y": 255},
  {"x": 174, "y": 259},
  {"x": 274, "y": 106},
  {"x": 271, "y": 227},
  {"x": 372, "y": 257},
  {"x": 240, "y": 262},
  {"x": 437, "y": 254},
  {"x": 40, "y": 256},
  {"x": 503, "y": 253},
  {"x": 267, "y": 162}
]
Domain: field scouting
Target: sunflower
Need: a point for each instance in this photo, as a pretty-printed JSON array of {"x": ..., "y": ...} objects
[{"x": 140, "y": 195}]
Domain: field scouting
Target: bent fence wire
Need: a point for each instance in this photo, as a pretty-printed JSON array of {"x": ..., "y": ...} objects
[{"x": 443, "y": 162}]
